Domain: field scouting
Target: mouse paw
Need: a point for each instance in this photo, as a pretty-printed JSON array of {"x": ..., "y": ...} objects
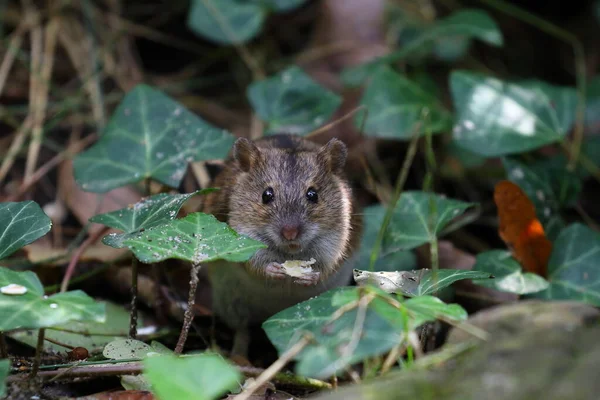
[
  {"x": 308, "y": 279},
  {"x": 275, "y": 270}
]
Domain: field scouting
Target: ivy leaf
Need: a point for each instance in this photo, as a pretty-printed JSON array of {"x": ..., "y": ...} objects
[
  {"x": 89, "y": 334},
  {"x": 463, "y": 25},
  {"x": 416, "y": 283},
  {"x": 573, "y": 270},
  {"x": 121, "y": 349},
  {"x": 152, "y": 136},
  {"x": 226, "y": 21},
  {"x": 537, "y": 186},
  {"x": 414, "y": 222},
  {"x": 339, "y": 343},
  {"x": 148, "y": 212},
  {"x": 21, "y": 223},
  {"x": 196, "y": 238},
  {"x": 233, "y": 21},
  {"x": 509, "y": 277},
  {"x": 34, "y": 310},
  {"x": 390, "y": 257},
  {"x": 292, "y": 102},
  {"x": 396, "y": 106},
  {"x": 199, "y": 377},
  {"x": 496, "y": 118}
]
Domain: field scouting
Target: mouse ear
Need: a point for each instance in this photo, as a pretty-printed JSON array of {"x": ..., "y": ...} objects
[
  {"x": 333, "y": 155},
  {"x": 245, "y": 153}
]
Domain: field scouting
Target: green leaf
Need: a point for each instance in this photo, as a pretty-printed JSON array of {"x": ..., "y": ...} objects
[
  {"x": 4, "y": 369},
  {"x": 339, "y": 343},
  {"x": 148, "y": 212},
  {"x": 196, "y": 238},
  {"x": 390, "y": 257},
  {"x": 419, "y": 217},
  {"x": 282, "y": 5},
  {"x": 152, "y": 136},
  {"x": 463, "y": 25},
  {"x": 509, "y": 277},
  {"x": 496, "y": 118},
  {"x": 121, "y": 349},
  {"x": 573, "y": 267},
  {"x": 566, "y": 184},
  {"x": 292, "y": 102},
  {"x": 226, "y": 21},
  {"x": 200, "y": 377},
  {"x": 20, "y": 224},
  {"x": 34, "y": 310},
  {"x": 90, "y": 334},
  {"x": 415, "y": 283},
  {"x": 537, "y": 186},
  {"x": 397, "y": 106},
  {"x": 233, "y": 21}
]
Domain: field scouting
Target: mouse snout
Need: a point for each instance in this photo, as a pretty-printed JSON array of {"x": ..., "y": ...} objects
[{"x": 290, "y": 231}]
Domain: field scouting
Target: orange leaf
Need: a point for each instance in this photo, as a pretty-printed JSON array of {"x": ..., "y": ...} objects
[{"x": 520, "y": 229}]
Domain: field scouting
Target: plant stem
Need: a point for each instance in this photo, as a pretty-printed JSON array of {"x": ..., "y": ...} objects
[
  {"x": 133, "y": 316},
  {"x": 410, "y": 155},
  {"x": 3, "y": 346},
  {"x": 38, "y": 353},
  {"x": 274, "y": 368},
  {"x": 189, "y": 312}
]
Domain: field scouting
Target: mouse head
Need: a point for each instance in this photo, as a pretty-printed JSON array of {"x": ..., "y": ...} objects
[{"x": 293, "y": 199}]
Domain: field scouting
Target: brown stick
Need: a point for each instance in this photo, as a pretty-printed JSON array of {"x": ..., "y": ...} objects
[
  {"x": 75, "y": 257},
  {"x": 189, "y": 312},
  {"x": 39, "y": 349}
]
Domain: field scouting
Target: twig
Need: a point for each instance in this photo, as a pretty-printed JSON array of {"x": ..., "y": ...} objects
[
  {"x": 14, "y": 45},
  {"x": 75, "y": 257},
  {"x": 3, "y": 347},
  {"x": 15, "y": 147},
  {"x": 274, "y": 368},
  {"x": 41, "y": 72},
  {"x": 133, "y": 314},
  {"x": 135, "y": 367},
  {"x": 38, "y": 353},
  {"x": 392, "y": 357},
  {"x": 53, "y": 162},
  {"x": 95, "y": 83},
  {"x": 189, "y": 312},
  {"x": 56, "y": 342},
  {"x": 337, "y": 121}
]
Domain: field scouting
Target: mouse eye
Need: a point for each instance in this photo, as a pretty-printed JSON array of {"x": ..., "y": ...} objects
[
  {"x": 311, "y": 195},
  {"x": 268, "y": 195}
]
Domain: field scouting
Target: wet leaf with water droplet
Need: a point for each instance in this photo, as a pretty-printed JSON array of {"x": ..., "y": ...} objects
[
  {"x": 33, "y": 309},
  {"x": 196, "y": 238},
  {"x": 149, "y": 212}
]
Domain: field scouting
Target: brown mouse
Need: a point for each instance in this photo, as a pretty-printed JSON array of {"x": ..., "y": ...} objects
[{"x": 291, "y": 194}]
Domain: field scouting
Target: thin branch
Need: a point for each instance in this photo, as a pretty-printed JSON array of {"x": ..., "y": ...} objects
[
  {"x": 277, "y": 366},
  {"x": 75, "y": 257},
  {"x": 189, "y": 312}
]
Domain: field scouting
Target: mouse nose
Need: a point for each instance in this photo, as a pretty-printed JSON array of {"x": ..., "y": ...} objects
[{"x": 290, "y": 232}]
